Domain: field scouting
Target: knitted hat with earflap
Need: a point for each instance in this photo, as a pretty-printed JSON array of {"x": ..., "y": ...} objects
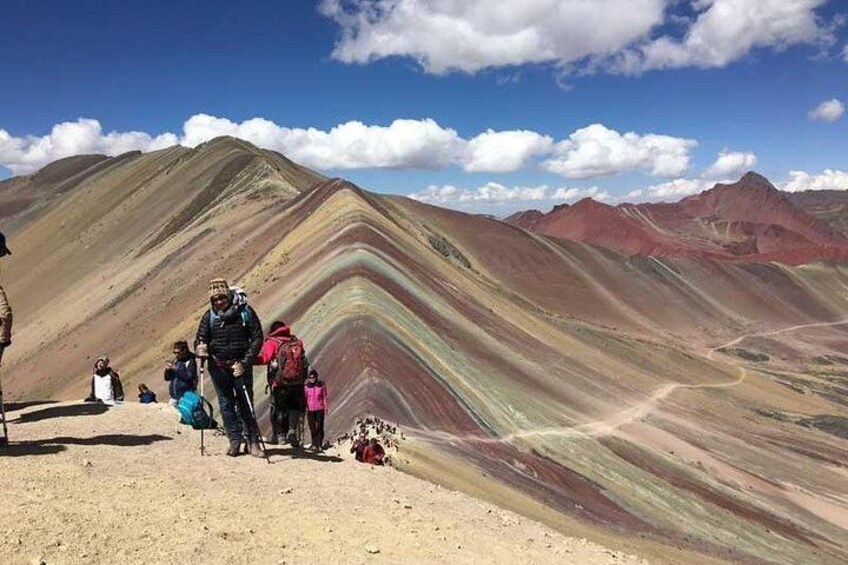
[{"x": 218, "y": 287}]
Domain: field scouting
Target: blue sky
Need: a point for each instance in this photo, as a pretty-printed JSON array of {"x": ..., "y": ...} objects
[{"x": 561, "y": 88}]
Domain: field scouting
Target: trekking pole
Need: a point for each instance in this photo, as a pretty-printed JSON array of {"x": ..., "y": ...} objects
[
  {"x": 255, "y": 421},
  {"x": 3, "y": 405},
  {"x": 3, "y": 415},
  {"x": 202, "y": 399}
]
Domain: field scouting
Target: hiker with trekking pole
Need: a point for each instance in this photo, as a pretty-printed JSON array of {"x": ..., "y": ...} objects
[
  {"x": 229, "y": 337},
  {"x": 5, "y": 338}
]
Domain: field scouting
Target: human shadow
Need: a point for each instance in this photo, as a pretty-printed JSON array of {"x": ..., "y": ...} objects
[
  {"x": 54, "y": 445},
  {"x": 91, "y": 409},
  {"x": 14, "y": 406},
  {"x": 304, "y": 454},
  {"x": 25, "y": 448},
  {"x": 118, "y": 440}
]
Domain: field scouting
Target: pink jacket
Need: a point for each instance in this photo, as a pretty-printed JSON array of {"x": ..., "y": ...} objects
[{"x": 316, "y": 396}]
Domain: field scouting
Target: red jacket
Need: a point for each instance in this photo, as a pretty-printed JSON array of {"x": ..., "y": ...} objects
[
  {"x": 373, "y": 454},
  {"x": 272, "y": 345}
]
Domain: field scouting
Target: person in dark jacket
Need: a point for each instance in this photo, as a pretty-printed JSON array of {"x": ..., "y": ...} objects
[
  {"x": 181, "y": 372},
  {"x": 230, "y": 336}
]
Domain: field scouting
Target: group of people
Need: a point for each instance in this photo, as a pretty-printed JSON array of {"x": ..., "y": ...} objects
[
  {"x": 230, "y": 341},
  {"x": 370, "y": 449}
]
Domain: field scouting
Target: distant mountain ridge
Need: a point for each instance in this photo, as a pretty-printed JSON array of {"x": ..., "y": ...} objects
[{"x": 749, "y": 220}]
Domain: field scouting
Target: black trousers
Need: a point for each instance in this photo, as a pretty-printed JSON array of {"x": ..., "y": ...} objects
[
  {"x": 287, "y": 406},
  {"x": 316, "y": 427}
]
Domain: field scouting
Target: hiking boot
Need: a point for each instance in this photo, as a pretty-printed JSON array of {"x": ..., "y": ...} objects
[
  {"x": 292, "y": 440},
  {"x": 255, "y": 449},
  {"x": 235, "y": 448}
]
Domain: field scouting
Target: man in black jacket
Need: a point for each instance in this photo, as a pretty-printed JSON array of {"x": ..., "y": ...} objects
[{"x": 230, "y": 335}]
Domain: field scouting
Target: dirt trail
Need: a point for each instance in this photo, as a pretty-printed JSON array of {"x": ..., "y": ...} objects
[
  {"x": 609, "y": 425},
  {"x": 86, "y": 484}
]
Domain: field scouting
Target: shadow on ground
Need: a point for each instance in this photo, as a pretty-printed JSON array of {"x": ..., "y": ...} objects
[
  {"x": 303, "y": 454},
  {"x": 54, "y": 445},
  {"x": 61, "y": 412},
  {"x": 13, "y": 406}
]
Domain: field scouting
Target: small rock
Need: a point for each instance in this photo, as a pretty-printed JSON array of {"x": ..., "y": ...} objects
[
  {"x": 86, "y": 463},
  {"x": 371, "y": 548},
  {"x": 287, "y": 490},
  {"x": 37, "y": 561},
  {"x": 408, "y": 506},
  {"x": 328, "y": 530}
]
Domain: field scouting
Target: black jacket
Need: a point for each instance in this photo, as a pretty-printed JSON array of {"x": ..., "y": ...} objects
[{"x": 236, "y": 339}]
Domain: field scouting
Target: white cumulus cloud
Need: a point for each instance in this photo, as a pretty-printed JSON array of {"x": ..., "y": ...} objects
[
  {"x": 597, "y": 151},
  {"x": 496, "y": 193},
  {"x": 609, "y": 35},
  {"x": 404, "y": 144},
  {"x": 671, "y": 190},
  {"x": 23, "y": 155},
  {"x": 828, "y": 111},
  {"x": 731, "y": 163},
  {"x": 727, "y": 30},
  {"x": 471, "y": 35},
  {"x": 504, "y": 151},
  {"x": 827, "y": 180}
]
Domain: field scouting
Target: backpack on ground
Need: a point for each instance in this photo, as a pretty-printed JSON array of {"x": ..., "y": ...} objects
[
  {"x": 193, "y": 410},
  {"x": 291, "y": 358}
]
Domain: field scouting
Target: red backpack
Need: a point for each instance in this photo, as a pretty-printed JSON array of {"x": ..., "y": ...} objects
[{"x": 291, "y": 358}]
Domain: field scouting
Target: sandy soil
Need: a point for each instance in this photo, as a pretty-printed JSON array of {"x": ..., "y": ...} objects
[{"x": 83, "y": 483}]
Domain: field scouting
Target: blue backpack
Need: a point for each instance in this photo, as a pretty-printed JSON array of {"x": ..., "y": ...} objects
[{"x": 192, "y": 408}]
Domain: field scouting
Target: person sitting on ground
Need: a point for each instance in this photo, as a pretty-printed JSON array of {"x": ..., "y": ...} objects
[
  {"x": 145, "y": 395},
  {"x": 181, "y": 372},
  {"x": 316, "y": 407},
  {"x": 374, "y": 453},
  {"x": 359, "y": 445},
  {"x": 105, "y": 383},
  {"x": 230, "y": 335},
  {"x": 286, "y": 357}
]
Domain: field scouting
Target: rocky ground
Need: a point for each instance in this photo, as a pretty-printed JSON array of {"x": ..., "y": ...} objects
[{"x": 89, "y": 484}]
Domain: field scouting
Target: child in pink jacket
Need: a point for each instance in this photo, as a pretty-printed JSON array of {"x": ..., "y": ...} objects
[{"x": 316, "y": 406}]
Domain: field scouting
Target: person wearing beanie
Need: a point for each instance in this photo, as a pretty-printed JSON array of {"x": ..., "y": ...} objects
[
  {"x": 316, "y": 407},
  {"x": 105, "y": 383},
  {"x": 5, "y": 332},
  {"x": 230, "y": 336}
]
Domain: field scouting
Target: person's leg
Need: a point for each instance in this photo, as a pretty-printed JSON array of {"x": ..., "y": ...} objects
[
  {"x": 319, "y": 427},
  {"x": 273, "y": 417},
  {"x": 242, "y": 384},
  {"x": 292, "y": 415},
  {"x": 222, "y": 379},
  {"x": 313, "y": 431}
]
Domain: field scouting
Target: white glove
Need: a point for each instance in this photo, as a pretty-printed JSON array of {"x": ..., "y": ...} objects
[{"x": 202, "y": 350}]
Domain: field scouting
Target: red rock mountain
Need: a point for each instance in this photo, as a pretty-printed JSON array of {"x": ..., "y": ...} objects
[{"x": 748, "y": 220}]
